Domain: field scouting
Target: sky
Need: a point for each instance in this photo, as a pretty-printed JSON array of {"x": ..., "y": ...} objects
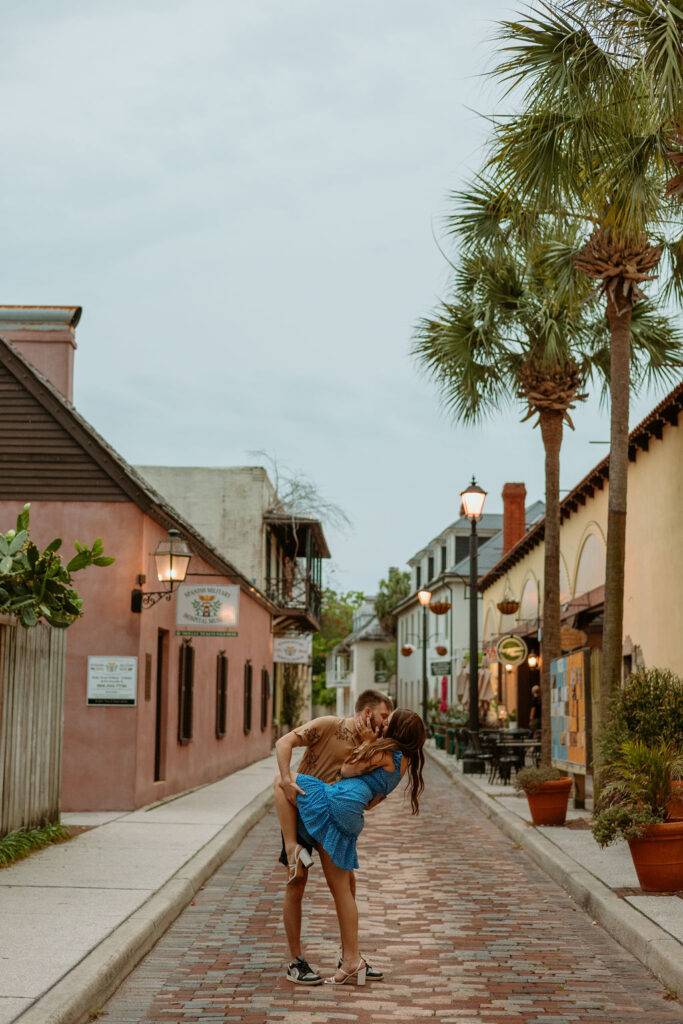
[{"x": 245, "y": 198}]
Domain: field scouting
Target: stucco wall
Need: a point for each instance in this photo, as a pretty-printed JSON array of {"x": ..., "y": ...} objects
[
  {"x": 225, "y": 504},
  {"x": 108, "y": 761}
]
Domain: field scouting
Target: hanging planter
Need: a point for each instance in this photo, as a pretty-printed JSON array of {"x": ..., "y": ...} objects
[
  {"x": 441, "y": 650},
  {"x": 440, "y": 607},
  {"x": 407, "y": 650},
  {"x": 508, "y": 606}
]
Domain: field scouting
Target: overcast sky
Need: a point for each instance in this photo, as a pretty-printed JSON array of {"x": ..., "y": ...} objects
[{"x": 242, "y": 196}]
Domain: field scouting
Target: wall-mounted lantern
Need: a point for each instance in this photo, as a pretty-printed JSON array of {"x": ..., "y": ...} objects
[{"x": 172, "y": 560}]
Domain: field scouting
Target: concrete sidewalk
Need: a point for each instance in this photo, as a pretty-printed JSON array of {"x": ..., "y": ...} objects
[
  {"x": 75, "y": 918},
  {"x": 603, "y": 882}
]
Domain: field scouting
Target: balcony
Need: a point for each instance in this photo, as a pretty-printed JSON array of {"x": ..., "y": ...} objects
[{"x": 298, "y": 601}]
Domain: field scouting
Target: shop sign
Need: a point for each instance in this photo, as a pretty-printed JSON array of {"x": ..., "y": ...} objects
[
  {"x": 441, "y": 668},
  {"x": 572, "y": 638},
  {"x": 208, "y": 608},
  {"x": 293, "y": 650},
  {"x": 511, "y": 650},
  {"x": 112, "y": 680},
  {"x": 570, "y": 712}
]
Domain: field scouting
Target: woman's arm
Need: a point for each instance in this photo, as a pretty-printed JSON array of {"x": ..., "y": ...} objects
[{"x": 383, "y": 759}]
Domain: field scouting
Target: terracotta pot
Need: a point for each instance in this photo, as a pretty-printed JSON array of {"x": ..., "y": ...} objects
[
  {"x": 548, "y": 805},
  {"x": 675, "y": 806},
  {"x": 658, "y": 857},
  {"x": 407, "y": 650},
  {"x": 508, "y": 607},
  {"x": 439, "y": 607}
]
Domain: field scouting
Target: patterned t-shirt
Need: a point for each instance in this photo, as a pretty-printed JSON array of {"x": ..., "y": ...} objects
[{"x": 329, "y": 740}]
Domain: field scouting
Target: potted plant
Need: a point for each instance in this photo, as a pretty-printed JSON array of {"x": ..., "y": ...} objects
[
  {"x": 635, "y": 804},
  {"x": 547, "y": 792}
]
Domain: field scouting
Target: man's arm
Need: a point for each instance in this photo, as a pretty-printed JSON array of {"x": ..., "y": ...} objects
[{"x": 283, "y": 751}]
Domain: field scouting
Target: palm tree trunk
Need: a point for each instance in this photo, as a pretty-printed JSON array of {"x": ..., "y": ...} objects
[
  {"x": 612, "y": 638},
  {"x": 551, "y": 431}
]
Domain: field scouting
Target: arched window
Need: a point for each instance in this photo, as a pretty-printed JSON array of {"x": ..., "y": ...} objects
[
  {"x": 591, "y": 571},
  {"x": 528, "y": 606}
]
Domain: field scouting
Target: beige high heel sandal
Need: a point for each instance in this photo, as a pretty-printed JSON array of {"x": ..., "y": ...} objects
[
  {"x": 358, "y": 974},
  {"x": 302, "y": 859}
]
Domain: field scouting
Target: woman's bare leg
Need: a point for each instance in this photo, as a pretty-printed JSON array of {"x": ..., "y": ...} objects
[
  {"x": 339, "y": 882},
  {"x": 286, "y": 813}
]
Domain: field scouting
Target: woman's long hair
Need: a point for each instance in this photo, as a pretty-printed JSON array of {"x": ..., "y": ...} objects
[{"x": 405, "y": 732}]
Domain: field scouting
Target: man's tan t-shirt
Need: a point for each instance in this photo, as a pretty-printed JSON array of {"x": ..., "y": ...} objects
[{"x": 329, "y": 740}]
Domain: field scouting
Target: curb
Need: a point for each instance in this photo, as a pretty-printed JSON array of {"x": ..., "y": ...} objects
[
  {"x": 87, "y": 986},
  {"x": 655, "y": 948}
]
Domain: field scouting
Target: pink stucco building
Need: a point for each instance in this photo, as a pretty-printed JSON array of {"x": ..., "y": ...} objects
[{"x": 202, "y": 701}]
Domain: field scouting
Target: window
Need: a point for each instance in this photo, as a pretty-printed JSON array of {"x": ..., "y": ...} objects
[
  {"x": 444, "y": 557},
  {"x": 247, "y": 696},
  {"x": 265, "y": 696},
  {"x": 430, "y": 568},
  {"x": 462, "y": 548},
  {"x": 185, "y": 692},
  {"x": 418, "y": 577},
  {"x": 221, "y": 694}
]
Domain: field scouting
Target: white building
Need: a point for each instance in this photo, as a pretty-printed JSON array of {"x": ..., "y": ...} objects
[
  {"x": 443, "y": 567},
  {"x": 359, "y": 662}
]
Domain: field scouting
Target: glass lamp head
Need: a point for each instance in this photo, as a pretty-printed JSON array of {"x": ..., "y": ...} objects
[
  {"x": 424, "y": 597},
  {"x": 473, "y": 498},
  {"x": 172, "y": 558}
]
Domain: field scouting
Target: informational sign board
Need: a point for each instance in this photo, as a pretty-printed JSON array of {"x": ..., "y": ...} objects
[
  {"x": 293, "y": 650},
  {"x": 441, "y": 668},
  {"x": 112, "y": 680},
  {"x": 206, "y": 608},
  {"x": 511, "y": 650},
  {"x": 570, "y": 712}
]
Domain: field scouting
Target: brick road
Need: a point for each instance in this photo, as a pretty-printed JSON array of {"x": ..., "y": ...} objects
[{"x": 467, "y": 928}]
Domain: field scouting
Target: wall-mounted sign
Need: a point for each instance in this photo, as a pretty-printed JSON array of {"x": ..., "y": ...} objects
[
  {"x": 208, "y": 608},
  {"x": 293, "y": 650},
  {"x": 511, "y": 650},
  {"x": 112, "y": 680},
  {"x": 441, "y": 668},
  {"x": 570, "y": 712},
  {"x": 572, "y": 638}
]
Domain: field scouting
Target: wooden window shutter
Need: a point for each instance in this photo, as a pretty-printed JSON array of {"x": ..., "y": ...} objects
[
  {"x": 265, "y": 695},
  {"x": 247, "y": 696},
  {"x": 221, "y": 694},
  {"x": 185, "y": 692}
]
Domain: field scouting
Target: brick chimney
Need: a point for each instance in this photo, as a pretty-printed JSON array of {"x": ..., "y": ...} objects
[
  {"x": 45, "y": 335},
  {"x": 514, "y": 515}
]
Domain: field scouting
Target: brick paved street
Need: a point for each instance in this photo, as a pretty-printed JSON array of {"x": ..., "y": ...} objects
[{"x": 466, "y": 927}]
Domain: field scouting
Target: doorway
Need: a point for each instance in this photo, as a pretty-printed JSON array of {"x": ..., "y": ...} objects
[{"x": 160, "y": 709}]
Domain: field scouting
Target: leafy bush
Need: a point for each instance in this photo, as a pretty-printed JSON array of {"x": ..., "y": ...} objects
[
  {"x": 531, "y": 779},
  {"x": 648, "y": 708},
  {"x": 639, "y": 785},
  {"x": 34, "y": 583}
]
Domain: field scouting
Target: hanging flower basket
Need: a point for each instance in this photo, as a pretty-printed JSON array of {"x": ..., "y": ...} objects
[
  {"x": 440, "y": 607},
  {"x": 407, "y": 650},
  {"x": 441, "y": 650},
  {"x": 508, "y": 607}
]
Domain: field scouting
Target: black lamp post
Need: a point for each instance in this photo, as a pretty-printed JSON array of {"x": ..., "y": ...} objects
[
  {"x": 473, "y": 503},
  {"x": 424, "y": 597}
]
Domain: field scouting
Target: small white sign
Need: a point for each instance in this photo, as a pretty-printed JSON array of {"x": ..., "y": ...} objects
[
  {"x": 293, "y": 650},
  {"x": 112, "y": 680},
  {"x": 207, "y": 607}
]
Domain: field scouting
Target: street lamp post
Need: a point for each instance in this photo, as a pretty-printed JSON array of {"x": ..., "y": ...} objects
[
  {"x": 424, "y": 597},
  {"x": 473, "y": 503}
]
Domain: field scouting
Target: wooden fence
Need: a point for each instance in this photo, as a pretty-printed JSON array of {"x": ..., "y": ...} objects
[{"x": 32, "y": 669}]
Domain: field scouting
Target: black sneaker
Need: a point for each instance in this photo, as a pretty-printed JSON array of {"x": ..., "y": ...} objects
[
  {"x": 371, "y": 973},
  {"x": 300, "y": 972}
]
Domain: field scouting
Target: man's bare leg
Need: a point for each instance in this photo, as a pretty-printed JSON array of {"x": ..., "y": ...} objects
[
  {"x": 291, "y": 914},
  {"x": 286, "y": 812}
]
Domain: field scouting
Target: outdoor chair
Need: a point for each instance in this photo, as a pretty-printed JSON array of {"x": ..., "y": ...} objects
[{"x": 503, "y": 761}]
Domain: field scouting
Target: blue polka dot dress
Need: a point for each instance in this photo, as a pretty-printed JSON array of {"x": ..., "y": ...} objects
[{"x": 333, "y": 814}]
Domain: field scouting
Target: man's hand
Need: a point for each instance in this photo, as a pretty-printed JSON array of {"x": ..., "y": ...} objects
[{"x": 291, "y": 790}]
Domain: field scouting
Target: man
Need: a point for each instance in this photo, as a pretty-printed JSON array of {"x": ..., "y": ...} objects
[
  {"x": 329, "y": 740},
  {"x": 535, "y": 713}
]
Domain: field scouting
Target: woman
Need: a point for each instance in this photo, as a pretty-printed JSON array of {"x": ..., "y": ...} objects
[{"x": 332, "y": 816}]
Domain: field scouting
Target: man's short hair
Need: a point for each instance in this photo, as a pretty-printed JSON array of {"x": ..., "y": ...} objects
[{"x": 371, "y": 698}]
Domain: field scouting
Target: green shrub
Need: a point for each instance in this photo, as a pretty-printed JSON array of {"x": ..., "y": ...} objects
[
  {"x": 531, "y": 779},
  {"x": 648, "y": 708},
  {"x": 20, "y": 843},
  {"x": 622, "y": 823}
]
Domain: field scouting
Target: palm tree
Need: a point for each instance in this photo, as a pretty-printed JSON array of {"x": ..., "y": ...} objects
[
  {"x": 591, "y": 145},
  {"x": 521, "y": 326}
]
